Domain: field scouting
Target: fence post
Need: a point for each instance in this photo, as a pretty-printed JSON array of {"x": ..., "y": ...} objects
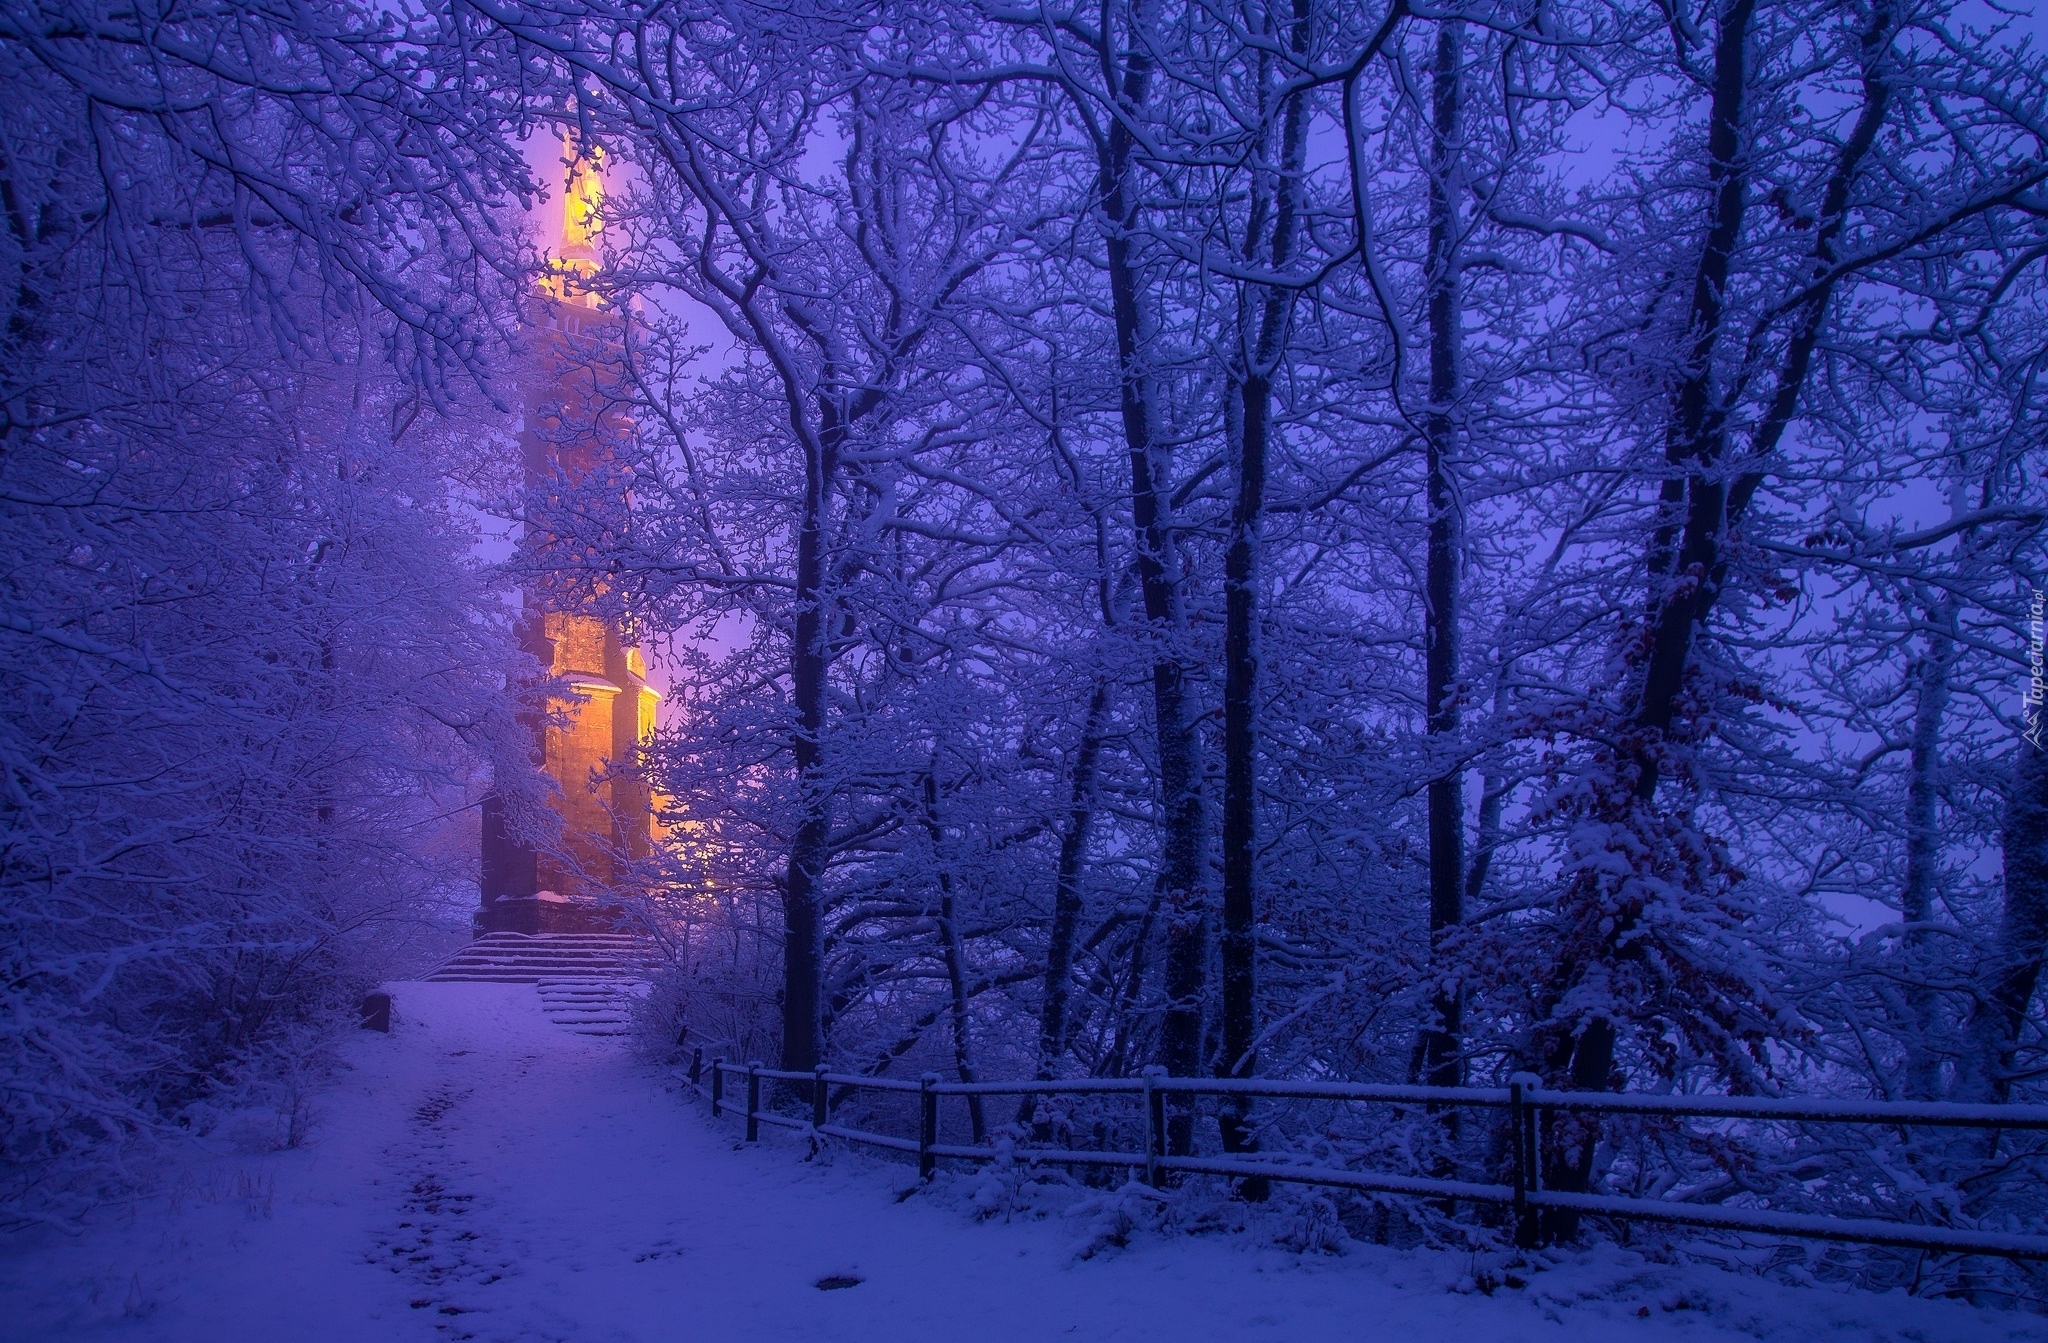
[
  {"x": 927, "y": 1125},
  {"x": 1155, "y": 1126},
  {"x": 697, "y": 1065},
  {"x": 717, "y": 1087},
  {"x": 753, "y": 1102},
  {"x": 1522, "y": 1127},
  {"x": 821, "y": 1100}
]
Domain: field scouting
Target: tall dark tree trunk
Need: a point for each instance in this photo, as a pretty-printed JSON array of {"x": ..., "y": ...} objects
[
  {"x": 1066, "y": 899},
  {"x": 1441, "y": 1051},
  {"x": 1686, "y": 545},
  {"x": 953, "y": 949},
  {"x": 1263, "y": 339},
  {"x": 803, "y": 945},
  {"x": 1923, "y": 853},
  {"x": 1688, "y": 554},
  {"x": 2013, "y": 969},
  {"x": 1238, "y": 945},
  {"x": 1181, "y": 885},
  {"x": 1053, "y": 1025}
]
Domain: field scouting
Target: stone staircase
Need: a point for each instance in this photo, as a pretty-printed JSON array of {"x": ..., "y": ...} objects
[
  {"x": 587, "y": 981},
  {"x": 530, "y": 958},
  {"x": 588, "y": 1006}
]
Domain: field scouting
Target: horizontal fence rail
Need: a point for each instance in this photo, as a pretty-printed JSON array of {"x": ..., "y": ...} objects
[{"x": 1529, "y": 1108}]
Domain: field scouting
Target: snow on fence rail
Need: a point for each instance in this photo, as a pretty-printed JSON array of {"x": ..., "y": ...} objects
[{"x": 1529, "y": 1109}]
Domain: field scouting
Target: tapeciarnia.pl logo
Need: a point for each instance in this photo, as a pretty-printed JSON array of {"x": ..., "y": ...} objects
[{"x": 2037, "y": 682}]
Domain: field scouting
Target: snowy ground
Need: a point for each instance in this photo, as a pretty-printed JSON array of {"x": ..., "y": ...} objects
[{"x": 481, "y": 1173}]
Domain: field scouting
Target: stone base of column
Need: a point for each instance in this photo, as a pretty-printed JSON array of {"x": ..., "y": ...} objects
[{"x": 546, "y": 912}]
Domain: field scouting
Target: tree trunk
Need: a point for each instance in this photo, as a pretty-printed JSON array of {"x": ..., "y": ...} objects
[
  {"x": 954, "y": 950},
  {"x": 2014, "y": 967},
  {"x": 803, "y": 949},
  {"x": 1923, "y": 851},
  {"x": 1261, "y": 351},
  {"x": 1688, "y": 551},
  {"x": 1688, "y": 559},
  {"x": 1491, "y": 795},
  {"x": 1686, "y": 546},
  {"x": 1702, "y": 498},
  {"x": 1441, "y": 1051},
  {"x": 1181, "y": 880},
  {"x": 1238, "y": 945},
  {"x": 1066, "y": 899}
]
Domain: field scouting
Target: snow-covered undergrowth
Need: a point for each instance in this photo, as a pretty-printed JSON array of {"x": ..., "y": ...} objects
[
  {"x": 1298, "y": 1241},
  {"x": 481, "y": 1173},
  {"x": 1659, "y": 1273}
]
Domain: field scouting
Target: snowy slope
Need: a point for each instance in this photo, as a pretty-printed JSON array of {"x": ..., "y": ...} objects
[{"x": 482, "y": 1173}]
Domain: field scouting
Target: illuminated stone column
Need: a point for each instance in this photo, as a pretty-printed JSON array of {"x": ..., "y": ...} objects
[{"x": 611, "y": 709}]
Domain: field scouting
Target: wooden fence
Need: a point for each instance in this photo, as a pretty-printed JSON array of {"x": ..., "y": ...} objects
[{"x": 1529, "y": 1111}]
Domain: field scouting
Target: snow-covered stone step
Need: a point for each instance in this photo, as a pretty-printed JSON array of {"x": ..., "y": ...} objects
[
  {"x": 485, "y": 948},
  {"x": 524, "y": 958},
  {"x": 587, "y": 982},
  {"x": 504, "y": 942},
  {"x": 538, "y": 968},
  {"x": 590, "y": 1007},
  {"x": 465, "y": 977},
  {"x": 568, "y": 971},
  {"x": 573, "y": 954}
]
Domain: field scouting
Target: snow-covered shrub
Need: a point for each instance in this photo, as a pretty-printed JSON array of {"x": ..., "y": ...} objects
[
  {"x": 1306, "y": 1220},
  {"x": 1107, "y": 1220},
  {"x": 713, "y": 988}
]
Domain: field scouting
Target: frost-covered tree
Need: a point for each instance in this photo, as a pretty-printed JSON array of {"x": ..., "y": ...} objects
[{"x": 246, "y": 659}]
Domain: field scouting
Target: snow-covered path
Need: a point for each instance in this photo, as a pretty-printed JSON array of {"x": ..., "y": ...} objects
[{"x": 481, "y": 1173}]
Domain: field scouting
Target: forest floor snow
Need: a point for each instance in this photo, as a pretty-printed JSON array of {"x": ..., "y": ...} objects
[{"x": 481, "y": 1173}]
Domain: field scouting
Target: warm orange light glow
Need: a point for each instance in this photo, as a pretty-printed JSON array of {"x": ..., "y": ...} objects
[
  {"x": 568, "y": 280},
  {"x": 582, "y": 204}
]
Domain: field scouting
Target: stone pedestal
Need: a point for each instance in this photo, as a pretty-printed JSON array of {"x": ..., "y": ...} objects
[{"x": 546, "y": 912}]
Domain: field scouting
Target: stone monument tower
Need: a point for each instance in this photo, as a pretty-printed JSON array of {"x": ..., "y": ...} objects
[{"x": 610, "y": 708}]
